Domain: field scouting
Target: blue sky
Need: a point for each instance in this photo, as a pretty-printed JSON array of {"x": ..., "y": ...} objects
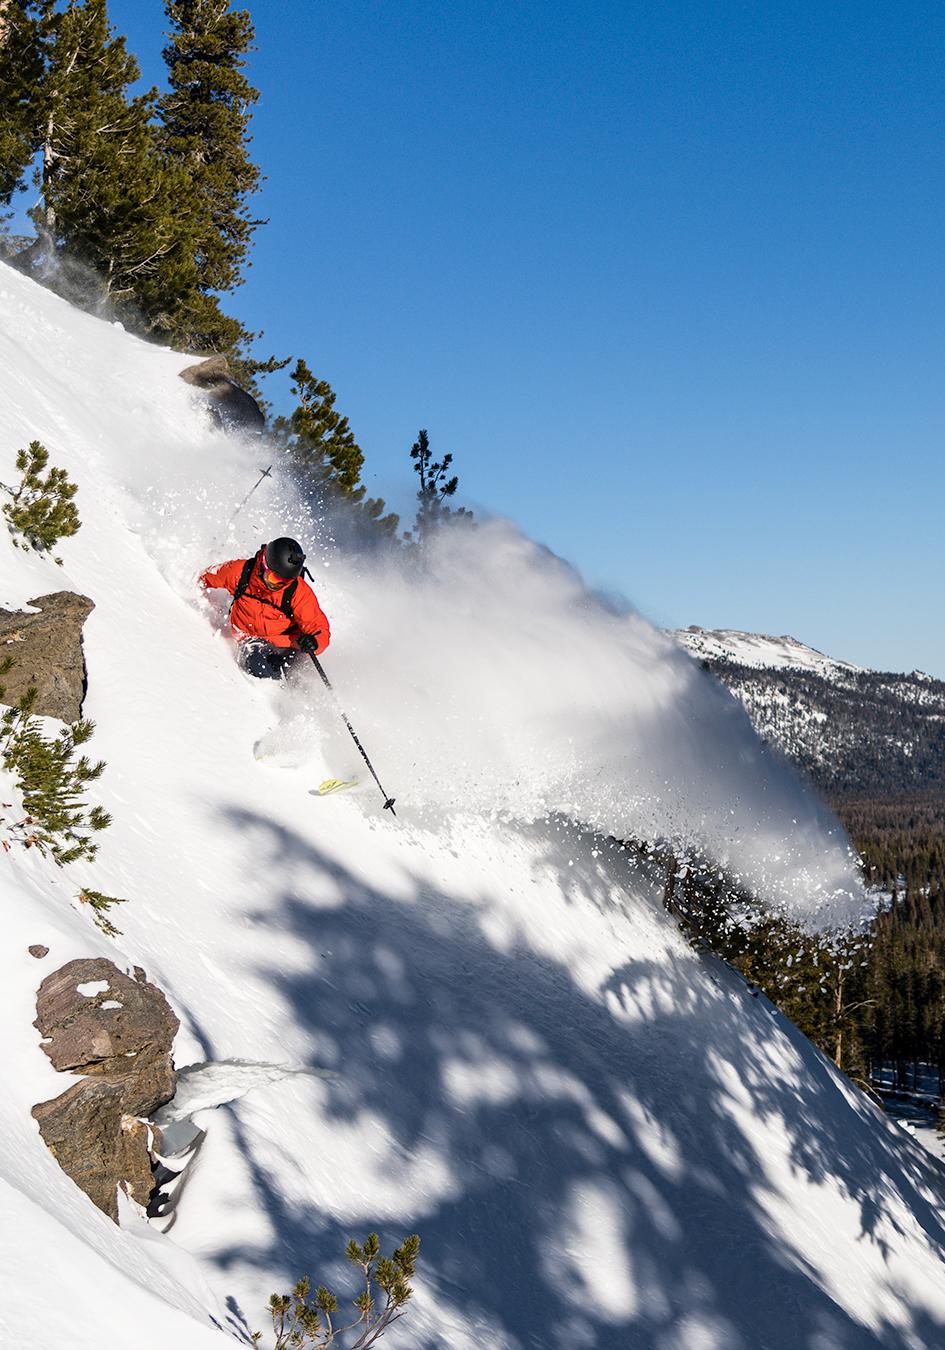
[{"x": 667, "y": 279}]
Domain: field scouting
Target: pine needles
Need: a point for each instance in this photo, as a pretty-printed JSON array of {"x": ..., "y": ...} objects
[
  {"x": 42, "y": 510},
  {"x": 302, "y": 1319},
  {"x": 53, "y": 782},
  {"x": 52, "y": 777}
]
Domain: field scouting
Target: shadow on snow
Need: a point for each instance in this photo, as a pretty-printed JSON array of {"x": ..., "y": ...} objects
[{"x": 687, "y": 1231}]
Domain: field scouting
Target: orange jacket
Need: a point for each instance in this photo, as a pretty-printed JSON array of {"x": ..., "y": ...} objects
[{"x": 257, "y": 612}]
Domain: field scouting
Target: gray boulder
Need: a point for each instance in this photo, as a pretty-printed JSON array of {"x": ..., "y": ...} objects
[
  {"x": 47, "y": 652},
  {"x": 97, "y": 1144},
  {"x": 230, "y": 406},
  {"x": 118, "y": 1030},
  {"x": 98, "y": 1021}
]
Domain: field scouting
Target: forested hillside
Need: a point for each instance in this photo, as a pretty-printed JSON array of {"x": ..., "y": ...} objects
[
  {"x": 857, "y": 733},
  {"x": 868, "y": 734},
  {"x": 873, "y": 742}
]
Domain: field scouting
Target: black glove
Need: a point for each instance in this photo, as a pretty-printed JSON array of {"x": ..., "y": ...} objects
[{"x": 308, "y": 643}]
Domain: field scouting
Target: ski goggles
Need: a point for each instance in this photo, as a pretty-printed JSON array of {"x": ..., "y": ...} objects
[{"x": 273, "y": 579}]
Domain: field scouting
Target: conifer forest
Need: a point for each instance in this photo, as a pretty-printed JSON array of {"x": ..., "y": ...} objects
[{"x": 872, "y": 745}]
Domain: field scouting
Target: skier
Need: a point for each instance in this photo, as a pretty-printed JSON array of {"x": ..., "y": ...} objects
[{"x": 275, "y": 613}]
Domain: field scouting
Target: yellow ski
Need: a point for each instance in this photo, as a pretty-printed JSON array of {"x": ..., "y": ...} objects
[{"x": 331, "y": 785}]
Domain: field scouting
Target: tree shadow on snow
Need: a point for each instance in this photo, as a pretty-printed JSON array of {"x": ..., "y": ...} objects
[{"x": 604, "y": 1143}]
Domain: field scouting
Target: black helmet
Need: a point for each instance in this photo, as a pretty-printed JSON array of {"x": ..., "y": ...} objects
[{"x": 284, "y": 557}]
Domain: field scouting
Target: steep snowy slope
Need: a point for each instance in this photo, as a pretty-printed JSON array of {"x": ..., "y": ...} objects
[{"x": 475, "y": 1022}]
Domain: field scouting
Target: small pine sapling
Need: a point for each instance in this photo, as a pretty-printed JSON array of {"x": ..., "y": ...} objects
[
  {"x": 57, "y": 820},
  {"x": 298, "y": 1320},
  {"x": 53, "y": 781},
  {"x": 42, "y": 510},
  {"x": 99, "y": 905},
  {"x": 301, "y": 1319}
]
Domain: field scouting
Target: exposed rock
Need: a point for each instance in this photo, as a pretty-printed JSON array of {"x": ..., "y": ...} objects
[
  {"x": 138, "y": 1141},
  {"x": 96, "y": 1020},
  {"x": 82, "y": 1130},
  {"x": 47, "y": 652},
  {"x": 96, "y": 1144},
  {"x": 118, "y": 1029},
  {"x": 38, "y": 950},
  {"x": 232, "y": 408}
]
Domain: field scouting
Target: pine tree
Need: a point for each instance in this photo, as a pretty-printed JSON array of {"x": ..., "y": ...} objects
[
  {"x": 322, "y": 444},
  {"x": 205, "y": 118},
  {"x": 320, "y": 438},
  {"x": 114, "y": 219},
  {"x": 99, "y": 904},
  {"x": 302, "y": 1319},
  {"x": 436, "y": 487},
  {"x": 42, "y": 509},
  {"x": 24, "y": 27},
  {"x": 52, "y": 781}
]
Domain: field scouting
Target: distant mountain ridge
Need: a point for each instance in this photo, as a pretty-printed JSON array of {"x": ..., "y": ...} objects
[
  {"x": 758, "y": 651},
  {"x": 856, "y": 732}
]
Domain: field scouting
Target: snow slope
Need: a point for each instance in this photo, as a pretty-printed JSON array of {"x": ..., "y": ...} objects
[
  {"x": 475, "y": 1022},
  {"x": 759, "y": 652}
]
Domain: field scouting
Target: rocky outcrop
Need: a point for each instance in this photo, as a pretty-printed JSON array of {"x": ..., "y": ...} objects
[
  {"x": 118, "y": 1031},
  {"x": 47, "y": 653},
  {"x": 230, "y": 406},
  {"x": 97, "y": 1145},
  {"x": 98, "y": 1021}
]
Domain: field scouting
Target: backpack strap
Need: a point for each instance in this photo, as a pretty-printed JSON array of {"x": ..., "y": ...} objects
[
  {"x": 288, "y": 595},
  {"x": 245, "y": 577},
  {"x": 284, "y": 605}
]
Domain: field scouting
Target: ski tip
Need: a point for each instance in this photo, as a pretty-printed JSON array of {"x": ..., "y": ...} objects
[{"x": 330, "y": 785}]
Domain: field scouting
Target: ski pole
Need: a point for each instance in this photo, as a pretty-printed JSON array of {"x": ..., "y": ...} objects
[
  {"x": 266, "y": 473},
  {"x": 388, "y": 801}
]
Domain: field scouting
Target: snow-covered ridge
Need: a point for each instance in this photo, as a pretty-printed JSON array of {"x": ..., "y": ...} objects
[
  {"x": 857, "y": 731},
  {"x": 476, "y": 1022},
  {"x": 759, "y": 651}
]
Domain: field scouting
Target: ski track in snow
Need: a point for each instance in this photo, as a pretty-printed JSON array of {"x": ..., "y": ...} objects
[{"x": 475, "y": 1022}]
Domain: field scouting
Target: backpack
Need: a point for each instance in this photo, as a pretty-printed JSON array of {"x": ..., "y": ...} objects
[{"x": 284, "y": 605}]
